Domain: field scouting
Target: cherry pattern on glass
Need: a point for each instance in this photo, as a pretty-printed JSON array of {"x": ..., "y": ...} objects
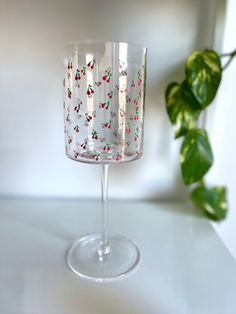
[
  {"x": 77, "y": 107},
  {"x": 91, "y": 64},
  {"x": 76, "y": 129},
  {"x": 87, "y": 84},
  {"x": 77, "y": 75},
  {"x": 105, "y": 105},
  {"x": 110, "y": 94},
  {"x": 69, "y": 65},
  {"x": 108, "y": 75},
  {"x": 90, "y": 91},
  {"x": 94, "y": 135}
]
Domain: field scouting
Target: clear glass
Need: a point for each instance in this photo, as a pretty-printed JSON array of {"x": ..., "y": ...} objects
[{"x": 104, "y": 91}]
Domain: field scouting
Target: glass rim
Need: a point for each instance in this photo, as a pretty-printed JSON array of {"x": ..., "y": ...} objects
[{"x": 75, "y": 43}]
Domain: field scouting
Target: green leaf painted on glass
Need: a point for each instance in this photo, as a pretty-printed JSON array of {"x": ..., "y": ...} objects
[
  {"x": 203, "y": 73},
  {"x": 212, "y": 201},
  {"x": 182, "y": 108},
  {"x": 195, "y": 156}
]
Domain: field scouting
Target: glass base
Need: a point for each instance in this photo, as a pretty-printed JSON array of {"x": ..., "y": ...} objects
[{"x": 84, "y": 260}]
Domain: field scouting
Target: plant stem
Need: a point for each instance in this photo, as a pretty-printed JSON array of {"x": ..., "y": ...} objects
[
  {"x": 231, "y": 55},
  {"x": 201, "y": 183},
  {"x": 228, "y": 54}
]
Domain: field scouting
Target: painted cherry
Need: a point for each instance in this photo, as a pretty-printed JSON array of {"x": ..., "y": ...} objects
[
  {"x": 127, "y": 130},
  {"x": 107, "y": 147},
  {"x": 76, "y": 154},
  {"x": 76, "y": 128},
  {"x": 90, "y": 91},
  {"x": 69, "y": 66},
  {"x": 107, "y": 76},
  {"x": 83, "y": 71},
  {"x": 105, "y": 105},
  {"x": 88, "y": 117},
  {"x": 113, "y": 114},
  {"x": 69, "y": 93},
  {"x": 110, "y": 94},
  {"x": 118, "y": 157},
  {"x": 77, "y": 75},
  {"x": 91, "y": 64},
  {"x": 140, "y": 82},
  {"x": 128, "y": 99},
  {"x": 94, "y": 135},
  {"x": 136, "y": 134},
  {"x": 84, "y": 145},
  {"x": 77, "y": 108},
  {"x": 96, "y": 156},
  {"x": 107, "y": 125}
]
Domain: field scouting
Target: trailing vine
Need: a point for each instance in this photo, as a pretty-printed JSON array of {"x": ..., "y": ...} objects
[{"x": 184, "y": 103}]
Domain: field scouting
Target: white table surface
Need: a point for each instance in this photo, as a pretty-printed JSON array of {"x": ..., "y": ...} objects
[{"x": 185, "y": 268}]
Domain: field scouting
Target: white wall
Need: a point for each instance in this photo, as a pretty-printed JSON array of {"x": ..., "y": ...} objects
[
  {"x": 32, "y": 33},
  {"x": 222, "y": 127}
]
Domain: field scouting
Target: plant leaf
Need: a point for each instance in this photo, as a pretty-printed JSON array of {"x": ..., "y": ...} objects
[
  {"x": 182, "y": 108},
  {"x": 195, "y": 156},
  {"x": 203, "y": 73},
  {"x": 212, "y": 201}
]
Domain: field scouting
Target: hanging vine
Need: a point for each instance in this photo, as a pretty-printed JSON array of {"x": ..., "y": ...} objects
[{"x": 184, "y": 103}]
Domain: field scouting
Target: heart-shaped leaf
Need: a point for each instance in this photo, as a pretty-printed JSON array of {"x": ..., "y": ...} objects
[
  {"x": 212, "y": 201},
  {"x": 195, "y": 156},
  {"x": 203, "y": 72},
  {"x": 182, "y": 108}
]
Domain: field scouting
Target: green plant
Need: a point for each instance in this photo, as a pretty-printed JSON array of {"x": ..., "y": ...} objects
[{"x": 184, "y": 103}]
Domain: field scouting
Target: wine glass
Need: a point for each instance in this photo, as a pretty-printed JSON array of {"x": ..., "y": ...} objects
[{"x": 104, "y": 91}]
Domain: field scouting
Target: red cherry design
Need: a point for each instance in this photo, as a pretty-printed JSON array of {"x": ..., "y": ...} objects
[{"x": 104, "y": 78}]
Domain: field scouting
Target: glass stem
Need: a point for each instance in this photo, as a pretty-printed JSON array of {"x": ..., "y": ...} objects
[{"x": 105, "y": 248}]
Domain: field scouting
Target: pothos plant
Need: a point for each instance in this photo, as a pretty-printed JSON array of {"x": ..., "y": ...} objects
[{"x": 184, "y": 103}]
